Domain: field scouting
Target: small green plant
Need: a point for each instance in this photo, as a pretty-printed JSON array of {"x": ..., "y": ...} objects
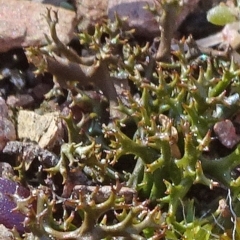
[
  {"x": 165, "y": 127},
  {"x": 84, "y": 217}
]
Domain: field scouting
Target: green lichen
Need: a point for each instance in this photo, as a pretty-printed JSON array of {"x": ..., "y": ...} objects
[
  {"x": 83, "y": 208},
  {"x": 170, "y": 112}
]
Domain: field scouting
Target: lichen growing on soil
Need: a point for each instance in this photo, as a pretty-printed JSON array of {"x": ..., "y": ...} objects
[{"x": 152, "y": 168}]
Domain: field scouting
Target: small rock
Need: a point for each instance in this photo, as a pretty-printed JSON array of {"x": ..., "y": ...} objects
[
  {"x": 137, "y": 17},
  {"x": 20, "y": 100},
  {"x": 5, "y": 233},
  {"x": 103, "y": 193},
  {"x": 6, "y": 170},
  {"x": 23, "y": 24},
  {"x": 77, "y": 177},
  {"x": 3, "y": 108},
  {"x": 41, "y": 89},
  {"x": 28, "y": 152},
  {"x": 230, "y": 35},
  {"x": 15, "y": 76},
  {"x": 226, "y": 133},
  {"x": 45, "y": 129},
  {"x": 7, "y": 132},
  {"x": 8, "y": 217},
  {"x": 90, "y": 12},
  {"x": 7, "y": 129}
]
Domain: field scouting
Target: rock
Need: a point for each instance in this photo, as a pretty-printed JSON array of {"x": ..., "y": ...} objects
[
  {"x": 23, "y": 24},
  {"x": 188, "y": 7},
  {"x": 20, "y": 100},
  {"x": 89, "y": 13},
  {"x": 41, "y": 89},
  {"x": 7, "y": 128},
  {"x": 231, "y": 35},
  {"x": 5, "y": 233},
  {"x": 3, "y": 108},
  {"x": 103, "y": 192},
  {"x": 226, "y": 133},
  {"x": 7, "y": 132},
  {"x": 138, "y": 18},
  {"x": 28, "y": 152},
  {"x": 6, "y": 170},
  {"x": 45, "y": 129},
  {"x": 8, "y": 217},
  {"x": 141, "y": 19}
]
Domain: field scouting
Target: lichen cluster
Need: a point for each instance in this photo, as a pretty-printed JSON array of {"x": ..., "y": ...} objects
[{"x": 164, "y": 139}]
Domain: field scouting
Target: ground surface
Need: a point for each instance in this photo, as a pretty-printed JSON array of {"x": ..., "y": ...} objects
[{"x": 32, "y": 131}]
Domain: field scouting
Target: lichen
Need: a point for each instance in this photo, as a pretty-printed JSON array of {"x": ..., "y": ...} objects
[{"x": 165, "y": 127}]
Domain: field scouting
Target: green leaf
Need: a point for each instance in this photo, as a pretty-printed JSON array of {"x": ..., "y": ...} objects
[{"x": 221, "y": 15}]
